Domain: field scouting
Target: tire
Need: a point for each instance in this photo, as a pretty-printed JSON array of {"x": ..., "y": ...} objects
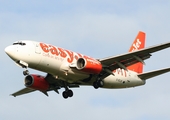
[
  {"x": 100, "y": 83},
  {"x": 65, "y": 95},
  {"x": 70, "y": 93},
  {"x": 95, "y": 85},
  {"x": 26, "y": 72}
]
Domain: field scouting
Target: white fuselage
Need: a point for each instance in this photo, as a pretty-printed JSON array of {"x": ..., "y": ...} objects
[{"x": 60, "y": 63}]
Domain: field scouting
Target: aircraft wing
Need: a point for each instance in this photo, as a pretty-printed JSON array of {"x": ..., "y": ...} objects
[
  {"x": 56, "y": 84},
  {"x": 23, "y": 91},
  {"x": 151, "y": 74},
  {"x": 125, "y": 60}
]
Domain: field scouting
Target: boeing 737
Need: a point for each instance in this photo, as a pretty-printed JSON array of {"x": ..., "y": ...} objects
[{"x": 67, "y": 69}]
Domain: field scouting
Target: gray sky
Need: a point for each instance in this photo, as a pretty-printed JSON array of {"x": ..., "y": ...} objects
[{"x": 95, "y": 28}]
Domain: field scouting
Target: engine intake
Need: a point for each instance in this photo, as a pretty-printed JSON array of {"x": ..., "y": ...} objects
[
  {"x": 89, "y": 65},
  {"x": 36, "y": 82},
  {"x": 28, "y": 80}
]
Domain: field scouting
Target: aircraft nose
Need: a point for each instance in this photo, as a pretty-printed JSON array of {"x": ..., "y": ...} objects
[{"x": 9, "y": 50}]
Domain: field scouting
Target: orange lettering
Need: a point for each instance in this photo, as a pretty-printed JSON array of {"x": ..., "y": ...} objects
[
  {"x": 53, "y": 50},
  {"x": 70, "y": 59},
  {"x": 79, "y": 54},
  {"x": 44, "y": 47},
  {"x": 77, "y": 57},
  {"x": 62, "y": 53}
]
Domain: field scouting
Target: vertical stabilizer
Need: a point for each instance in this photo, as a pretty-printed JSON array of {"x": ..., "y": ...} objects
[{"x": 139, "y": 43}]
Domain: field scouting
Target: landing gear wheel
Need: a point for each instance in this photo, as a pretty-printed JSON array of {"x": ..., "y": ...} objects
[
  {"x": 26, "y": 72},
  {"x": 98, "y": 84},
  {"x": 95, "y": 85},
  {"x": 65, "y": 94},
  {"x": 70, "y": 93}
]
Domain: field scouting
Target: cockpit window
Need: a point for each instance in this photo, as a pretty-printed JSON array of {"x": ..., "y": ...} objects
[{"x": 19, "y": 43}]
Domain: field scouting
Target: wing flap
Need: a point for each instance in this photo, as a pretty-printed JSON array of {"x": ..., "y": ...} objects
[
  {"x": 23, "y": 91},
  {"x": 151, "y": 74}
]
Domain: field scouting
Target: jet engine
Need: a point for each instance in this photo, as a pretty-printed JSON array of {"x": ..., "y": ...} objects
[
  {"x": 89, "y": 65},
  {"x": 36, "y": 82}
]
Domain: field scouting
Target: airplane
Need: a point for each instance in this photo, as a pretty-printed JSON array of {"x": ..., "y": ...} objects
[{"x": 67, "y": 69}]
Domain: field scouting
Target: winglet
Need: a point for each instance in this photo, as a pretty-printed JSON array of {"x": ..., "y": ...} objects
[{"x": 139, "y": 43}]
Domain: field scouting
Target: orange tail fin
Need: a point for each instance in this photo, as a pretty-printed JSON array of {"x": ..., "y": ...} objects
[{"x": 139, "y": 43}]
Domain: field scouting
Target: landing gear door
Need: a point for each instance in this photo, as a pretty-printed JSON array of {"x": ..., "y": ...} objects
[{"x": 37, "y": 48}]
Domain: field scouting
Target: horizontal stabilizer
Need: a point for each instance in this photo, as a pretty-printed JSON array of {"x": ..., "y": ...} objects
[
  {"x": 151, "y": 74},
  {"x": 23, "y": 91}
]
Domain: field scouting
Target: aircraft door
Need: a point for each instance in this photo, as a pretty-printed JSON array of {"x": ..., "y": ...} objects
[{"x": 37, "y": 48}]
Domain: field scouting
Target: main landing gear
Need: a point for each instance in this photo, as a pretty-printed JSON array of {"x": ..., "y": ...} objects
[
  {"x": 67, "y": 93},
  {"x": 98, "y": 83}
]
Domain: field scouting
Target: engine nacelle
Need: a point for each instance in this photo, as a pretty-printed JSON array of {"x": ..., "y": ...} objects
[
  {"x": 36, "y": 82},
  {"x": 89, "y": 65}
]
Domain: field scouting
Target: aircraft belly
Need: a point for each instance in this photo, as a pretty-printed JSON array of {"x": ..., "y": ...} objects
[{"x": 121, "y": 82}]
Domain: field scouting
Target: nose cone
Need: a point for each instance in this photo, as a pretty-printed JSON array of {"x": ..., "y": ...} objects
[{"x": 10, "y": 51}]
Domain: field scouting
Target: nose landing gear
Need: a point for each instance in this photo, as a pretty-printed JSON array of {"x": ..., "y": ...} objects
[
  {"x": 25, "y": 72},
  {"x": 23, "y": 65}
]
